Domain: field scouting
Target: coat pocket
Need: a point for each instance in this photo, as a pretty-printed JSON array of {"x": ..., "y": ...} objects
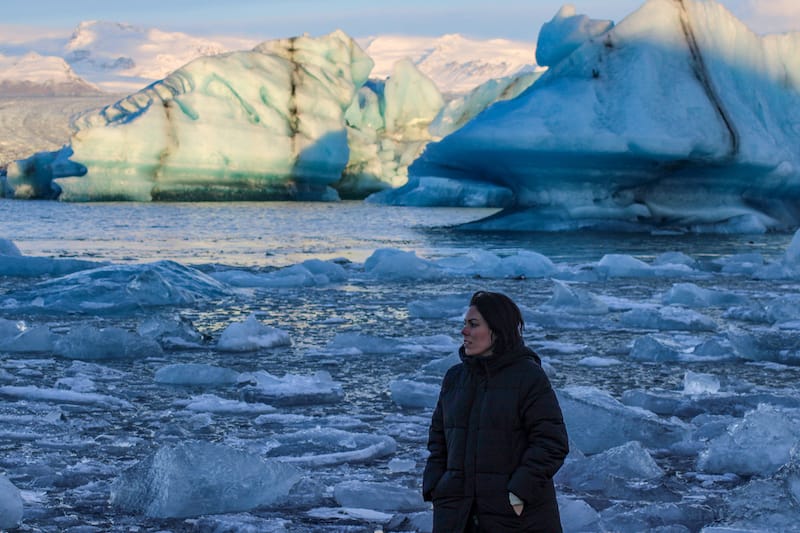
[{"x": 450, "y": 485}]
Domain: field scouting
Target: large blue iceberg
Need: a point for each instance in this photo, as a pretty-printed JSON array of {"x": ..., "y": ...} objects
[
  {"x": 291, "y": 119},
  {"x": 677, "y": 118}
]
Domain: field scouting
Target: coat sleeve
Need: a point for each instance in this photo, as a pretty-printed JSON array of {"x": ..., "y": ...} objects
[
  {"x": 437, "y": 458},
  {"x": 548, "y": 443}
]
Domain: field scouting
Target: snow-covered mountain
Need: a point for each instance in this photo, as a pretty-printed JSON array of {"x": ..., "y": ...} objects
[
  {"x": 37, "y": 75},
  {"x": 121, "y": 58},
  {"x": 455, "y": 63}
]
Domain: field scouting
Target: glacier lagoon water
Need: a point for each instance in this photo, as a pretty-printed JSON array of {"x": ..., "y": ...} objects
[{"x": 371, "y": 331}]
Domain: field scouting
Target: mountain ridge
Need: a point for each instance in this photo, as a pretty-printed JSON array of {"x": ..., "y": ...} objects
[{"x": 115, "y": 57}]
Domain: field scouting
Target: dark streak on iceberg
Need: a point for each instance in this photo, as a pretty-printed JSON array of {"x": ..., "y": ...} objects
[{"x": 704, "y": 77}]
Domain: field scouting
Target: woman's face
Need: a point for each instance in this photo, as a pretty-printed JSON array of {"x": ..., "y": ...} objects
[{"x": 477, "y": 335}]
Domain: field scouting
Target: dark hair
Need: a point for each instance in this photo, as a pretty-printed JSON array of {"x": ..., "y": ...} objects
[{"x": 503, "y": 317}]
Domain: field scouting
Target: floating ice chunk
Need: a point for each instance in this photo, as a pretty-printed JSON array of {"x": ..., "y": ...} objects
[
  {"x": 674, "y": 258},
  {"x": 210, "y": 403},
  {"x": 350, "y": 513},
  {"x": 10, "y": 505},
  {"x": 90, "y": 343},
  {"x": 564, "y": 33},
  {"x": 624, "y": 266},
  {"x": 599, "y": 362},
  {"x": 251, "y": 335},
  {"x": 64, "y": 396},
  {"x": 174, "y": 332},
  {"x": 394, "y": 265},
  {"x": 744, "y": 264},
  {"x": 523, "y": 264},
  {"x": 359, "y": 343},
  {"x": 120, "y": 288},
  {"x": 699, "y": 383},
  {"x": 655, "y": 349},
  {"x": 668, "y": 318},
  {"x": 763, "y": 344},
  {"x": 195, "y": 374},
  {"x": 18, "y": 337},
  {"x": 439, "y": 307},
  {"x": 574, "y": 300},
  {"x": 526, "y": 264},
  {"x": 597, "y": 422},
  {"x": 401, "y": 465},
  {"x": 435, "y": 343},
  {"x": 325, "y": 271},
  {"x": 658, "y": 517},
  {"x": 760, "y": 506},
  {"x": 307, "y": 274},
  {"x": 475, "y": 263},
  {"x": 326, "y": 446},
  {"x": 714, "y": 349},
  {"x": 749, "y": 313},
  {"x": 661, "y": 402},
  {"x": 440, "y": 366},
  {"x": 783, "y": 309},
  {"x": 690, "y": 295},
  {"x": 627, "y": 462},
  {"x": 378, "y": 496},
  {"x": 95, "y": 371},
  {"x": 291, "y": 389},
  {"x": 197, "y": 478},
  {"x": 77, "y": 384},
  {"x": 577, "y": 515},
  {"x": 408, "y": 393},
  {"x": 759, "y": 444}
]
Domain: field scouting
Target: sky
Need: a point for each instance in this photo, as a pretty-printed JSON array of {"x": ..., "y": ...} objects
[{"x": 267, "y": 19}]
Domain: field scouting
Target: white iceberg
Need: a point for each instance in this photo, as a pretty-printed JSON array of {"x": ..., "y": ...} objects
[
  {"x": 266, "y": 123},
  {"x": 291, "y": 389},
  {"x": 378, "y": 496},
  {"x": 596, "y": 422},
  {"x": 389, "y": 264},
  {"x": 759, "y": 444},
  {"x": 328, "y": 446},
  {"x": 251, "y": 335},
  {"x": 197, "y": 478},
  {"x": 596, "y": 473},
  {"x": 409, "y": 393},
  {"x": 117, "y": 288},
  {"x": 91, "y": 343}
]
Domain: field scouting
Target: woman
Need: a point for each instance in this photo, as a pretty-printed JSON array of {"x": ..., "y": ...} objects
[{"x": 497, "y": 436}]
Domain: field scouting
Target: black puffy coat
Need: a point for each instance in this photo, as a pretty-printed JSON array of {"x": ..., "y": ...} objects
[{"x": 497, "y": 428}]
